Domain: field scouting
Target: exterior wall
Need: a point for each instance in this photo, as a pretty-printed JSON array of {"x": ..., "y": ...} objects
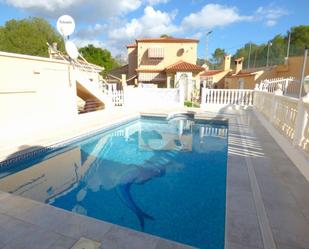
[
  {"x": 232, "y": 82},
  {"x": 35, "y": 90},
  {"x": 217, "y": 79},
  {"x": 173, "y": 52},
  {"x": 294, "y": 68},
  {"x": 132, "y": 61}
]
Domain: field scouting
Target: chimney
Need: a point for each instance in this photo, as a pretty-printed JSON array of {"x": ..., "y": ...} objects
[
  {"x": 238, "y": 64},
  {"x": 227, "y": 62}
]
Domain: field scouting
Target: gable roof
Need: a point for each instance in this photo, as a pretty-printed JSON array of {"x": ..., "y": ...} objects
[
  {"x": 168, "y": 40},
  {"x": 182, "y": 66},
  {"x": 210, "y": 72},
  {"x": 117, "y": 72},
  {"x": 242, "y": 74},
  {"x": 133, "y": 45}
]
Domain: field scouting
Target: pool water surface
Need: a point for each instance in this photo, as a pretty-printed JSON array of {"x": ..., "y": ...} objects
[{"x": 162, "y": 177}]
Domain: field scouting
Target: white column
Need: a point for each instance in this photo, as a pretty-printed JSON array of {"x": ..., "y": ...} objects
[
  {"x": 168, "y": 82},
  {"x": 123, "y": 81},
  {"x": 300, "y": 120}
]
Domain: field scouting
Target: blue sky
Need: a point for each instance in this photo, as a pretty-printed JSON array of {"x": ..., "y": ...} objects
[{"x": 112, "y": 24}]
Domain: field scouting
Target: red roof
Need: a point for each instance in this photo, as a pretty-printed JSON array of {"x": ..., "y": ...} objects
[
  {"x": 210, "y": 72},
  {"x": 184, "y": 66},
  {"x": 146, "y": 70},
  {"x": 242, "y": 74},
  {"x": 168, "y": 40},
  {"x": 132, "y": 46}
]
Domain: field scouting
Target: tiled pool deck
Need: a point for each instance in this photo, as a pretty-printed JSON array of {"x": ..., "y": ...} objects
[{"x": 267, "y": 200}]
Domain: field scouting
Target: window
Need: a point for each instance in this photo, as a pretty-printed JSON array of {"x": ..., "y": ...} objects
[{"x": 156, "y": 53}]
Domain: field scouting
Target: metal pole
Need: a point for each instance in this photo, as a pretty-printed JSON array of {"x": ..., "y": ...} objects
[
  {"x": 206, "y": 45},
  {"x": 288, "y": 49},
  {"x": 267, "y": 54},
  {"x": 206, "y": 48},
  {"x": 303, "y": 72},
  {"x": 249, "y": 56}
]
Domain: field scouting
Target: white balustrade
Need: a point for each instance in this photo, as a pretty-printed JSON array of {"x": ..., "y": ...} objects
[
  {"x": 117, "y": 97},
  {"x": 290, "y": 116},
  {"x": 226, "y": 97},
  {"x": 289, "y": 86}
]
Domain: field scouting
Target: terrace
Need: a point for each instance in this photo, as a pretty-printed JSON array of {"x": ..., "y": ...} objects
[
  {"x": 267, "y": 205},
  {"x": 267, "y": 182}
]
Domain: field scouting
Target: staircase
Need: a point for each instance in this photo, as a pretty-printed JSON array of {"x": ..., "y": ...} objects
[{"x": 90, "y": 90}]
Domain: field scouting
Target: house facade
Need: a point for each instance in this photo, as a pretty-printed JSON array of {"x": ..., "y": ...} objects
[{"x": 164, "y": 62}]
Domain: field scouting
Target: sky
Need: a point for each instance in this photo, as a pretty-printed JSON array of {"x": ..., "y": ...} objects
[{"x": 113, "y": 24}]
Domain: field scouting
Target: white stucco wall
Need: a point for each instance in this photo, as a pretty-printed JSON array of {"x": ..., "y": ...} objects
[{"x": 35, "y": 91}]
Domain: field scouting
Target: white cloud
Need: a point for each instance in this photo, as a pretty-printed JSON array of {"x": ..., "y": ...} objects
[
  {"x": 270, "y": 14},
  {"x": 152, "y": 23},
  {"x": 92, "y": 31},
  {"x": 197, "y": 35},
  {"x": 213, "y": 15},
  {"x": 154, "y": 2},
  {"x": 83, "y": 9},
  {"x": 115, "y": 49},
  {"x": 118, "y": 33}
]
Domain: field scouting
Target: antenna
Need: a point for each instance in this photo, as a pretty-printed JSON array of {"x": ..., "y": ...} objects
[
  {"x": 65, "y": 25},
  {"x": 71, "y": 50}
]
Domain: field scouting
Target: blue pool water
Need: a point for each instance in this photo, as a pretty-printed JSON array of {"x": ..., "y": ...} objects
[{"x": 166, "y": 178}]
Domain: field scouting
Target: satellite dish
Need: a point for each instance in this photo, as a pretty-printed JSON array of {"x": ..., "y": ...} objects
[
  {"x": 65, "y": 25},
  {"x": 71, "y": 50}
]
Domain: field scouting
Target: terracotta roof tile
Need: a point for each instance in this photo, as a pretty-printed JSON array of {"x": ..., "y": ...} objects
[
  {"x": 146, "y": 70},
  {"x": 242, "y": 74},
  {"x": 133, "y": 45},
  {"x": 168, "y": 40},
  {"x": 210, "y": 72},
  {"x": 184, "y": 66}
]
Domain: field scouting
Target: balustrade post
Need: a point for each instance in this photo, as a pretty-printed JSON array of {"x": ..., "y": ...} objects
[
  {"x": 274, "y": 105},
  {"x": 300, "y": 122},
  {"x": 123, "y": 81},
  {"x": 203, "y": 97}
]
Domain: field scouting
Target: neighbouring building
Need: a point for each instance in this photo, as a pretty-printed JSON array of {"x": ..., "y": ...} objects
[
  {"x": 248, "y": 78},
  {"x": 215, "y": 78},
  {"x": 241, "y": 79},
  {"x": 163, "y": 62}
]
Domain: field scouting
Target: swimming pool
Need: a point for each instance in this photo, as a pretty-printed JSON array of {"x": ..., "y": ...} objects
[{"x": 163, "y": 177}]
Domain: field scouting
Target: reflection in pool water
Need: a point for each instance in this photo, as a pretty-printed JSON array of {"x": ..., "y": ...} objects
[{"x": 164, "y": 178}]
